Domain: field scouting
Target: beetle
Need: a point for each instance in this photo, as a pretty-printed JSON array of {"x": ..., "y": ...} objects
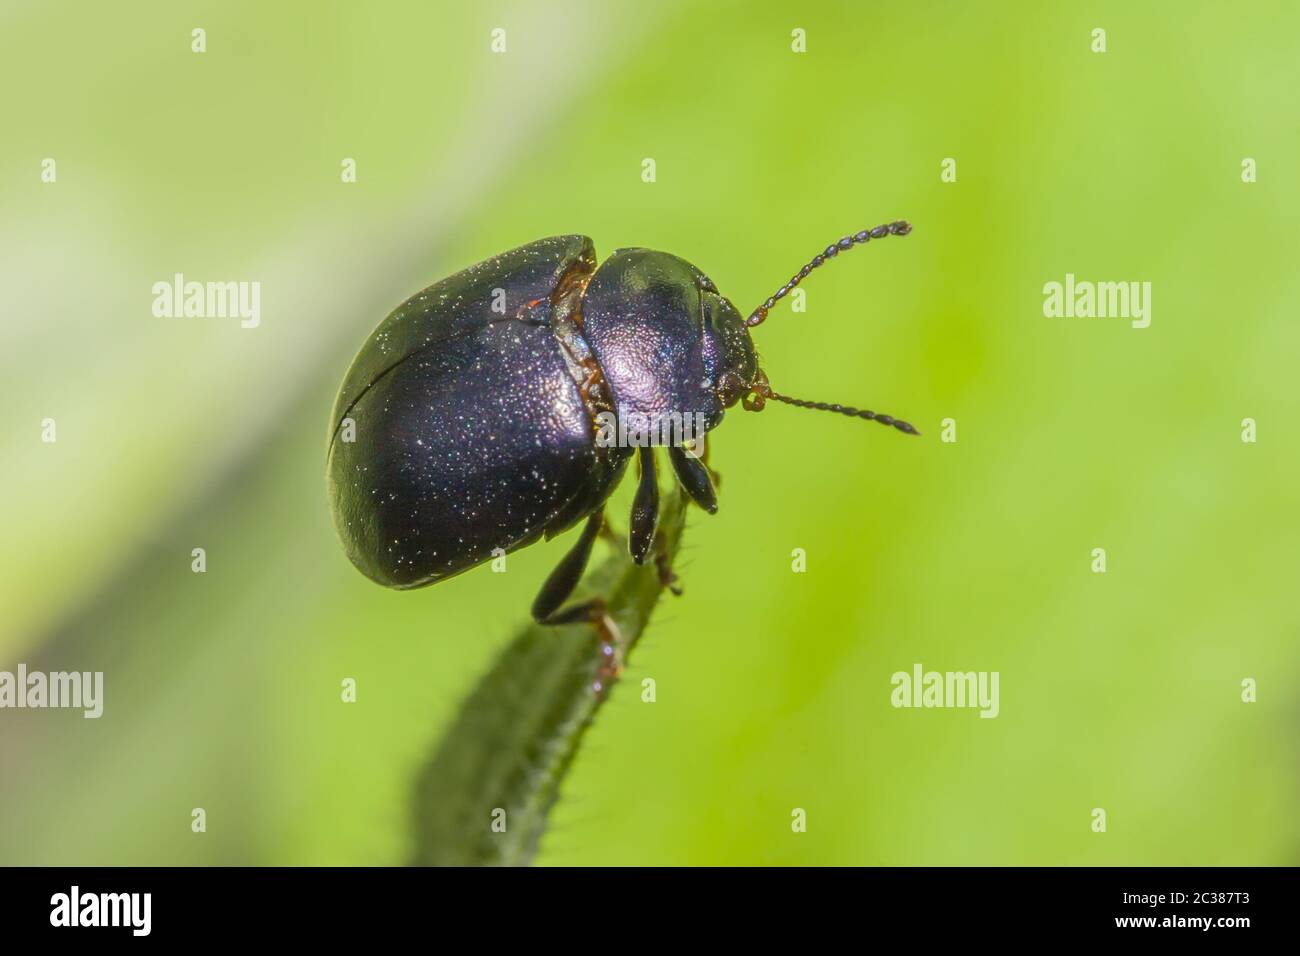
[{"x": 467, "y": 426}]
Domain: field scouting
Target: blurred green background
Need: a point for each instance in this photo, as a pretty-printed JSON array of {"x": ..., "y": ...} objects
[{"x": 1118, "y": 690}]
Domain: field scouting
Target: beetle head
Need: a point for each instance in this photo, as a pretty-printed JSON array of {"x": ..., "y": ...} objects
[{"x": 729, "y": 357}]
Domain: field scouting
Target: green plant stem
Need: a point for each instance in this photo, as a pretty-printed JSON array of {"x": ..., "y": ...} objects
[{"x": 518, "y": 731}]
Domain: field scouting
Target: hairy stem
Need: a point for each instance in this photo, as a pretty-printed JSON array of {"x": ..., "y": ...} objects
[{"x": 503, "y": 759}]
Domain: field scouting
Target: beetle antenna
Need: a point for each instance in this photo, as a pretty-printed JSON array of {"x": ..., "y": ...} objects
[
  {"x": 900, "y": 228},
  {"x": 761, "y": 392}
]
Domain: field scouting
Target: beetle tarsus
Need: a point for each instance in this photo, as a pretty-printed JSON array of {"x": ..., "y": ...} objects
[
  {"x": 667, "y": 577},
  {"x": 611, "y": 660},
  {"x": 608, "y": 637}
]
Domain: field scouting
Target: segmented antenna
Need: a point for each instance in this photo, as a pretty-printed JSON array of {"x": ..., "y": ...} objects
[
  {"x": 900, "y": 228},
  {"x": 898, "y": 423},
  {"x": 757, "y": 397}
]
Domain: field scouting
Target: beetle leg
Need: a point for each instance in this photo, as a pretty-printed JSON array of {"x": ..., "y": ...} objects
[
  {"x": 592, "y": 612},
  {"x": 694, "y": 478},
  {"x": 561, "y": 582},
  {"x": 526, "y": 310},
  {"x": 595, "y": 612},
  {"x": 703, "y": 457},
  {"x": 645, "y": 508},
  {"x": 667, "y": 577}
]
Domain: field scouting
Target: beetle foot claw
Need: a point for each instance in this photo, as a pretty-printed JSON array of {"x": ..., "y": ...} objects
[{"x": 667, "y": 577}]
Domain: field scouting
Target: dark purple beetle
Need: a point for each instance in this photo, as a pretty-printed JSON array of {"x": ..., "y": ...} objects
[{"x": 467, "y": 425}]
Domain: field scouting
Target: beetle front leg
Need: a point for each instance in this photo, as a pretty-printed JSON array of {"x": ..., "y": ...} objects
[
  {"x": 645, "y": 508},
  {"x": 694, "y": 478}
]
